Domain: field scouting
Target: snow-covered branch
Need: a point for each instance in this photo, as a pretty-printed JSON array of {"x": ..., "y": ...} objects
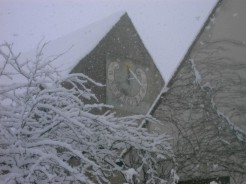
[{"x": 50, "y": 133}]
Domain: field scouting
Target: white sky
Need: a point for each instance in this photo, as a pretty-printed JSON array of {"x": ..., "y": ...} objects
[{"x": 167, "y": 27}]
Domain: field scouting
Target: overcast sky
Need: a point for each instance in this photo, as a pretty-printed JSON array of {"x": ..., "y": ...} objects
[{"x": 167, "y": 27}]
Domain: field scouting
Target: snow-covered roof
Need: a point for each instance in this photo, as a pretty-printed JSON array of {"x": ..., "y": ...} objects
[
  {"x": 71, "y": 48},
  {"x": 78, "y": 44}
]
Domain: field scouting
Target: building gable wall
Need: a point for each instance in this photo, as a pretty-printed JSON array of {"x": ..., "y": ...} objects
[
  {"x": 204, "y": 108},
  {"x": 122, "y": 41}
]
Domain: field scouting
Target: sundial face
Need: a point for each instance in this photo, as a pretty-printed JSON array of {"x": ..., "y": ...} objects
[
  {"x": 132, "y": 85},
  {"x": 127, "y": 81}
]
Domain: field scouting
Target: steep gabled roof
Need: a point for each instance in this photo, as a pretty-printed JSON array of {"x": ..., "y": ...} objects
[
  {"x": 76, "y": 45},
  {"x": 159, "y": 33}
]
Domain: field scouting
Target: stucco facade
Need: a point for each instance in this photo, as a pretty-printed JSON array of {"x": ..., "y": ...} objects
[{"x": 204, "y": 109}]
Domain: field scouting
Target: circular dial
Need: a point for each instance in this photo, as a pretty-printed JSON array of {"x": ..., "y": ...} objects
[{"x": 127, "y": 82}]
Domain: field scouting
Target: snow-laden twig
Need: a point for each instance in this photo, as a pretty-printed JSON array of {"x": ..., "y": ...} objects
[{"x": 50, "y": 133}]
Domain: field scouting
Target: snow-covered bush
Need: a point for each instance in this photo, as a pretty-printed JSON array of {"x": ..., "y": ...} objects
[{"x": 54, "y": 130}]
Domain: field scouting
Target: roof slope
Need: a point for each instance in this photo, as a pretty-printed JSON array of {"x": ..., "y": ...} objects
[
  {"x": 163, "y": 29},
  {"x": 76, "y": 45}
]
